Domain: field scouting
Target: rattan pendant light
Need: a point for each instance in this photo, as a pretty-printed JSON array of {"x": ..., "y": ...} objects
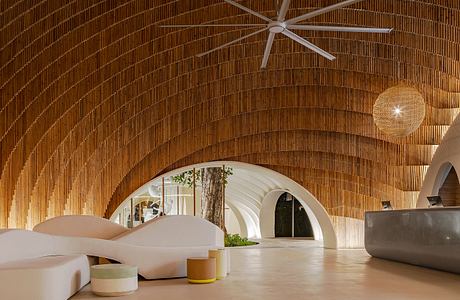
[{"x": 399, "y": 111}]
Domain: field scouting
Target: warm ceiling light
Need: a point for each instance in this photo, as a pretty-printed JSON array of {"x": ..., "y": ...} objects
[{"x": 399, "y": 111}]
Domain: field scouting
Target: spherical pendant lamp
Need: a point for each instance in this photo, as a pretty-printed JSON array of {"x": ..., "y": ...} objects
[{"x": 399, "y": 111}]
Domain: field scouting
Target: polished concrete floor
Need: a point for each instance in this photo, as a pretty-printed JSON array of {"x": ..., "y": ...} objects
[{"x": 285, "y": 269}]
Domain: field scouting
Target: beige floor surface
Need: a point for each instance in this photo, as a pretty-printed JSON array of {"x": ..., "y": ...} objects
[{"x": 283, "y": 269}]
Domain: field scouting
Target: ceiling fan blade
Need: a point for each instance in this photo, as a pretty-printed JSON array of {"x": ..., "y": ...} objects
[
  {"x": 210, "y": 25},
  {"x": 307, "y": 44},
  {"x": 340, "y": 28},
  {"x": 283, "y": 10},
  {"x": 232, "y": 42},
  {"x": 268, "y": 49},
  {"x": 321, "y": 11},
  {"x": 248, "y": 10}
]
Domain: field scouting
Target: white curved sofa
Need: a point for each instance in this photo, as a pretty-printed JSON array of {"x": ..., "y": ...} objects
[
  {"x": 152, "y": 262},
  {"x": 159, "y": 248},
  {"x": 166, "y": 231}
]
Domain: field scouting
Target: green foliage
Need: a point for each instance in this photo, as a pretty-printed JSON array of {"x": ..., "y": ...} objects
[
  {"x": 235, "y": 240},
  {"x": 227, "y": 173},
  {"x": 186, "y": 178}
]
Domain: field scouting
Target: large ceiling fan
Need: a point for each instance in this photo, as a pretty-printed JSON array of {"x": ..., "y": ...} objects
[{"x": 280, "y": 25}]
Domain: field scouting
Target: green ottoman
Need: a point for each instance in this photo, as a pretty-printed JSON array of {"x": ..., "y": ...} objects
[{"x": 113, "y": 279}]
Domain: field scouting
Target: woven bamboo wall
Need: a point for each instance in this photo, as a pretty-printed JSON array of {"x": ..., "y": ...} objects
[{"x": 96, "y": 100}]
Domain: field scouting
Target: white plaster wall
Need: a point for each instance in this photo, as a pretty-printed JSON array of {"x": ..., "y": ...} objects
[
  {"x": 246, "y": 191},
  {"x": 446, "y": 156},
  {"x": 231, "y": 222},
  {"x": 241, "y": 222}
]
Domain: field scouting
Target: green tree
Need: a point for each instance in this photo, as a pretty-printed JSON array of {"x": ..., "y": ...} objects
[{"x": 212, "y": 182}]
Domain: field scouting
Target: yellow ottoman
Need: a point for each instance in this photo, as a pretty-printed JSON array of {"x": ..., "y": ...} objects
[
  {"x": 113, "y": 279},
  {"x": 221, "y": 262},
  {"x": 201, "y": 269}
]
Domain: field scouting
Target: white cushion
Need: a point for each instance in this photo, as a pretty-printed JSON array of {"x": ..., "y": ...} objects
[{"x": 44, "y": 278}]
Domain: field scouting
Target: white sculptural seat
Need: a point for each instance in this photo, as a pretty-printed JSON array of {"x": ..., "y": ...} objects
[
  {"x": 45, "y": 278},
  {"x": 170, "y": 239}
]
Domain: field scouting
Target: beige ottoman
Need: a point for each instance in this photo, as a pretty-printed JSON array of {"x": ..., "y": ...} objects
[
  {"x": 201, "y": 269},
  {"x": 113, "y": 279},
  {"x": 221, "y": 262}
]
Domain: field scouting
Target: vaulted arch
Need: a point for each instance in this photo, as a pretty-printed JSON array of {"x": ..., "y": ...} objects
[{"x": 97, "y": 100}]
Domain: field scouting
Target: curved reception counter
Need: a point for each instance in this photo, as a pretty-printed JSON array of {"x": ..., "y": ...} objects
[{"x": 422, "y": 237}]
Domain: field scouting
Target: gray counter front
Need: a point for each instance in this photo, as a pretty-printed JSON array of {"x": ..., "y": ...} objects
[{"x": 422, "y": 237}]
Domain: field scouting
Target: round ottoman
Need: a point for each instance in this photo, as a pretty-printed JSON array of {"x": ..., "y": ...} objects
[
  {"x": 113, "y": 279},
  {"x": 201, "y": 269},
  {"x": 221, "y": 262}
]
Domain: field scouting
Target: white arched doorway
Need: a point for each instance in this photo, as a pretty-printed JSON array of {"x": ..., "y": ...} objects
[
  {"x": 267, "y": 214},
  {"x": 251, "y": 194},
  {"x": 447, "y": 155}
]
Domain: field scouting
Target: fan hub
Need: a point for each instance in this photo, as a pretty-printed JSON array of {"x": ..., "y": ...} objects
[{"x": 276, "y": 27}]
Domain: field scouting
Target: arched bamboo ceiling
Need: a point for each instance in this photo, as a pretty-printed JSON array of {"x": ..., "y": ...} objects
[{"x": 96, "y": 100}]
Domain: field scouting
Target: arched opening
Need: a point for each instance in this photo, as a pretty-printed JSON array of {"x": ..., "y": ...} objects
[
  {"x": 445, "y": 184},
  {"x": 268, "y": 213},
  {"x": 444, "y": 159},
  {"x": 250, "y": 198},
  {"x": 441, "y": 176},
  {"x": 450, "y": 189},
  {"x": 291, "y": 219}
]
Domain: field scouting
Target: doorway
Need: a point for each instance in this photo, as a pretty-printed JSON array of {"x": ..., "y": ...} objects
[
  {"x": 291, "y": 219},
  {"x": 450, "y": 189}
]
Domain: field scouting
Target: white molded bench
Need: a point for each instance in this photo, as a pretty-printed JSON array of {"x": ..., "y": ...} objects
[
  {"x": 159, "y": 248},
  {"x": 44, "y": 278}
]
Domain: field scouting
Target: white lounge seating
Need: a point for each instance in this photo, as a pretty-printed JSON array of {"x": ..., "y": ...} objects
[
  {"x": 44, "y": 278},
  {"x": 57, "y": 266},
  {"x": 158, "y": 248}
]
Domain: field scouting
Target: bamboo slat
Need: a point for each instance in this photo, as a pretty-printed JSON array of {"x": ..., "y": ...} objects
[{"x": 96, "y": 100}]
